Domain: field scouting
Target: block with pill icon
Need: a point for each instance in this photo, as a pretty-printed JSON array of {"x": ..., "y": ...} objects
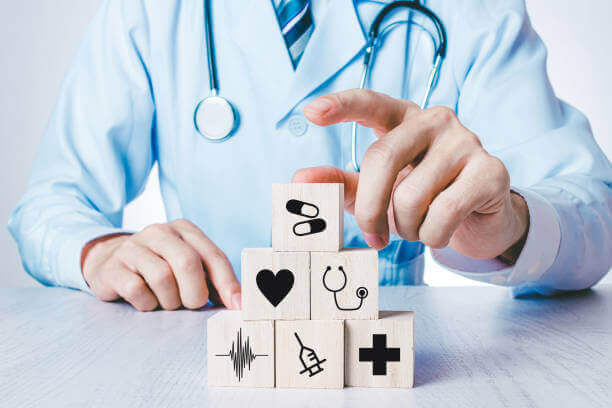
[
  {"x": 307, "y": 217},
  {"x": 380, "y": 353},
  {"x": 344, "y": 284},
  {"x": 239, "y": 353},
  {"x": 275, "y": 285},
  {"x": 309, "y": 353}
]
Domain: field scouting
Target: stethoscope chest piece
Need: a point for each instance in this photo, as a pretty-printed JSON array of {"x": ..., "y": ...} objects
[{"x": 215, "y": 118}]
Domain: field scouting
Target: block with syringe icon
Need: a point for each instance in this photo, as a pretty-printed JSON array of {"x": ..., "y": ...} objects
[
  {"x": 309, "y": 353},
  {"x": 308, "y": 275}
]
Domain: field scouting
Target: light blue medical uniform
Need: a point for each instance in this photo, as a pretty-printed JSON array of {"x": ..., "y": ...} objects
[{"x": 128, "y": 102}]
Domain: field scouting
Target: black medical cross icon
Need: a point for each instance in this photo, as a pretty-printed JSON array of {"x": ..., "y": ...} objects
[{"x": 379, "y": 354}]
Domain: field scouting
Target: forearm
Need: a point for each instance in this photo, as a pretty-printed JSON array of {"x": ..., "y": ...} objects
[{"x": 50, "y": 231}]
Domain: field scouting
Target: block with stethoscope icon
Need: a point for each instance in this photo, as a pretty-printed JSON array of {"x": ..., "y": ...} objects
[{"x": 344, "y": 284}]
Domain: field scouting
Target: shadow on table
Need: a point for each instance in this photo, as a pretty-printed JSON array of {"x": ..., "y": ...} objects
[{"x": 472, "y": 342}]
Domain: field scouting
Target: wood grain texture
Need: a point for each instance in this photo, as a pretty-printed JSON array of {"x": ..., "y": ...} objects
[
  {"x": 474, "y": 347},
  {"x": 398, "y": 331},
  {"x": 297, "y": 366},
  {"x": 360, "y": 266},
  {"x": 239, "y": 353},
  {"x": 296, "y": 303},
  {"x": 328, "y": 198}
]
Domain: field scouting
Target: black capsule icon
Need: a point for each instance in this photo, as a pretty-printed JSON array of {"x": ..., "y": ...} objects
[
  {"x": 309, "y": 227},
  {"x": 303, "y": 209}
]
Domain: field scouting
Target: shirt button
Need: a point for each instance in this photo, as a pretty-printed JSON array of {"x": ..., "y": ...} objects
[{"x": 297, "y": 125}]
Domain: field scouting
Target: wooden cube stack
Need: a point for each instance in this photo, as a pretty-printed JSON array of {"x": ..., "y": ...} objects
[{"x": 309, "y": 314}]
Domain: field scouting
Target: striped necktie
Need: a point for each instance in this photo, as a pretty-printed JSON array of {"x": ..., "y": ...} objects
[{"x": 295, "y": 20}]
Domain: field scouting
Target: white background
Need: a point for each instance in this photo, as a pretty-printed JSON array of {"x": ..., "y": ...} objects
[{"x": 38, "y": 39}]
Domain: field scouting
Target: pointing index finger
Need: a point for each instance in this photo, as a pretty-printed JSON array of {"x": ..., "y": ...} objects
[
  {"x": 219, "y": 268},
  {"x": 375, "y": 110}
]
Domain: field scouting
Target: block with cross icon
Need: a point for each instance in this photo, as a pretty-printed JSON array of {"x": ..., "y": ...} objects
[
  {"x": 380, "y": 353},
  {"x": 307, "y": 217},
  {"x": 309, "y": 353}
]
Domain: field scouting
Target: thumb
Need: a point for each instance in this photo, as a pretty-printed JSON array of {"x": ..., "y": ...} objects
[{"x": 329, "y": 174}]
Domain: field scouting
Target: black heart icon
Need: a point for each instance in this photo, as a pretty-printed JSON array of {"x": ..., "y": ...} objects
[{"x": 275, "y": 287}]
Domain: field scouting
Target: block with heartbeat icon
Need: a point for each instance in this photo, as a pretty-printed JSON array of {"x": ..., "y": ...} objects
[
  {"x": 239, "y": 353},
  {"x": 380, "y": 353}
]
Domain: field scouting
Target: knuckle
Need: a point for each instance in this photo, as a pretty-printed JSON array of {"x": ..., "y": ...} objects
[
  {"x": 127, "y": 246},
  {"x": 195, "y": 303},
  {"x": 440, "y": 115},
  {"x": 498, "y": 172},
  {"x": 172, "y": 306},
  {"x": 216, "y": 256},
  {"x": 188, "y": 260},
  {"x": 156, "y": 229},
  {"x": 135, "y": 288},
  {"x": 163, "y": 277},
  {"x": 435, "y": 241},
  {"x": 379, "y": 153},
  {"x": 446, "y": 206},
  {"x": 434, "y": 236},
  {"x": 146, "y": 307},
  {"x": 472, "y": 139},
  {"x": 409, "y": 199},
  {"x": 183, "y": 223}
]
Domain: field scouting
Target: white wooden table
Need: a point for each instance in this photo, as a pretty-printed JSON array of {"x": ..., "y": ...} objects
[{"x": 475, "y": 347}]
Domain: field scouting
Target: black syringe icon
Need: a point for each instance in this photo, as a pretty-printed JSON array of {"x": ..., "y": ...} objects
[{"x": 309, "y": 359}]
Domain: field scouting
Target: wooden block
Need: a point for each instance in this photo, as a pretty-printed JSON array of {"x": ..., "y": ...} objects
[
  {"x": 380, "y": 353},
  {"x": 344, "y": 285},
  {"x": 308, "y": 217},
  {"x": 239, "y": 353},
  {"x": 275, "y": 285},
  {"x": 310, "y": 354}
]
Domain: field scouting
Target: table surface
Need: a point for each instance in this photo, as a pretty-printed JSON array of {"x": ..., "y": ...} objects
[{"x": 474, "y": 347}]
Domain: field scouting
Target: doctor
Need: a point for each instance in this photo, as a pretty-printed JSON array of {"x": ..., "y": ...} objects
[{"x": 502, "y": 179}]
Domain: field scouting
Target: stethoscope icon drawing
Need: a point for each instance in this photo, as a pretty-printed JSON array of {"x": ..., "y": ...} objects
[{"x": 361, "y": 291}]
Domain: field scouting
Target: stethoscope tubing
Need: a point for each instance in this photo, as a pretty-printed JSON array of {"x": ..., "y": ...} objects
[{"x": 370, "y": 50}]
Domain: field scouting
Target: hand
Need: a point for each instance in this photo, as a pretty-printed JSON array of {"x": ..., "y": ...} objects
[
  {"x": 427, "y": 178},
  {"x": 168, "y": 265}
]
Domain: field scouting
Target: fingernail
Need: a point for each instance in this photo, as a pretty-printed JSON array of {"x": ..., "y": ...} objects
[
  {"x": 319, "y": 106},
  {"x": 375, "y": 241},
  {"x": 236, "y": 301}
]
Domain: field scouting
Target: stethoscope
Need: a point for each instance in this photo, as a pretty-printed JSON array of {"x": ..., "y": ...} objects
[
  {"x": 216, "y": 119},
  {"x": 361, "y": 291}
]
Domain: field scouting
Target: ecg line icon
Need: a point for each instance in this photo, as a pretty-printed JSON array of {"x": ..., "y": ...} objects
[{"x": 241, "y": 355}]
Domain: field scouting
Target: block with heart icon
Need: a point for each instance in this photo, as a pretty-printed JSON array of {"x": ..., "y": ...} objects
[
  {"x": 308, "y": 217},
  {"x": 275, "y": 285},
  {"x": 344, "y": 284},
  {"x": 380, "y": 353}
]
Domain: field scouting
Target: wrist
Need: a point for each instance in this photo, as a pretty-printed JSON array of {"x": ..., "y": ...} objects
[
  {"x": 99, "y": 248},
  {"x": 520, "y": 213}
]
